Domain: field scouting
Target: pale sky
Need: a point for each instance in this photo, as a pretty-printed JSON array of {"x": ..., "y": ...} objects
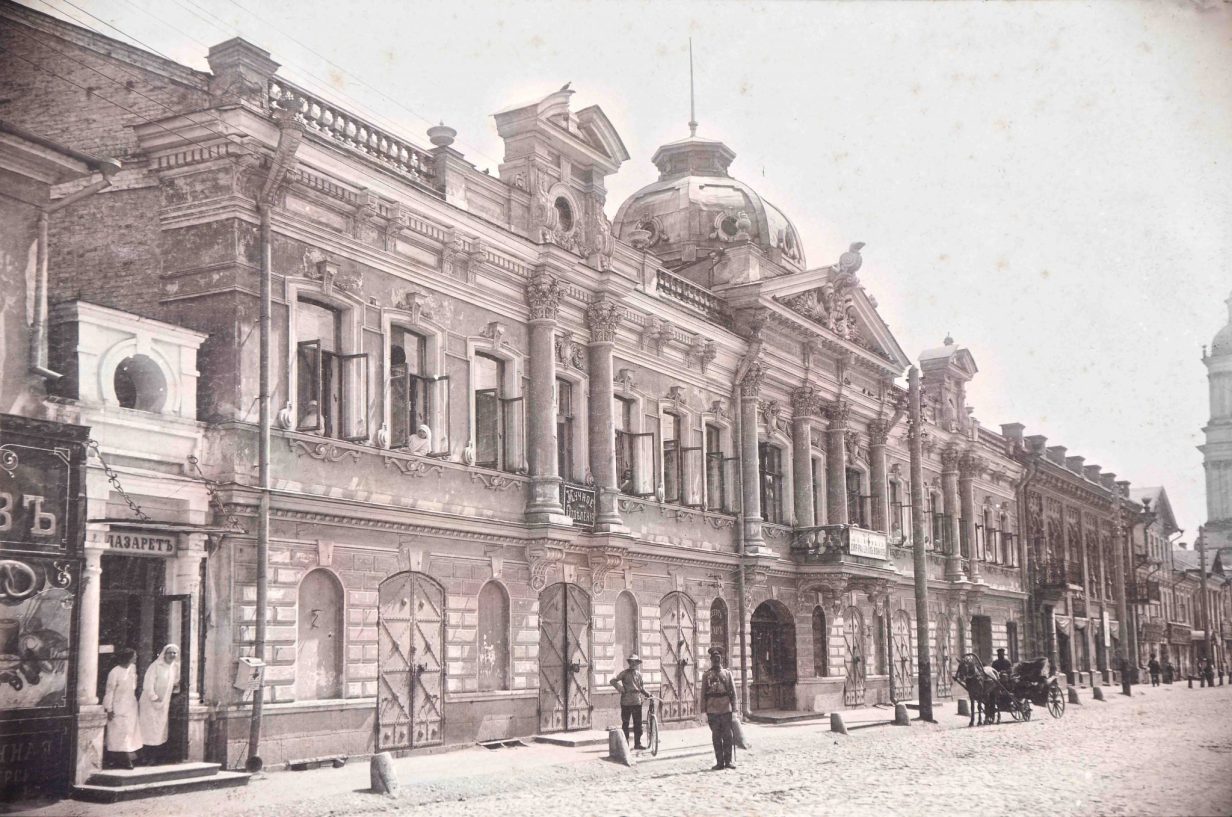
[{"x": 1049, "y": 182}]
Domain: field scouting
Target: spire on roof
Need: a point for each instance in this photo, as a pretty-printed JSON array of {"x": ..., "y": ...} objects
[{"x": 692, "y": 109}]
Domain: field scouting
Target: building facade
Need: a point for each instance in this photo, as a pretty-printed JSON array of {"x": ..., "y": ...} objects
[{"x": 514, "y": 442}]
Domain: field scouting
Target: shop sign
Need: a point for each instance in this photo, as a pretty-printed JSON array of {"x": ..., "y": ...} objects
[
  {"x": 867, "y": 543},
  {"x": 34, "y": 497},
  {"x": 141, "y": 543},
  {"x": 1153, "y": 632},
  {"x": 1179, "y": 634}
]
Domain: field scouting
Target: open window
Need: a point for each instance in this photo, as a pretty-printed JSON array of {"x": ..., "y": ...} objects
[
  {"x": 564, "y": 429},
  {"x": 417, "y": 400},
  {"x": 770, "y": 467},
  {"x": 498, "y": 417},
  {"x": 635, "y": 455},
  {"x": 717, "y": 467},
  {"x": 332, "y": 387},
  {"x": 682, "y": 463},
  {"x": 857, "y": 502}
]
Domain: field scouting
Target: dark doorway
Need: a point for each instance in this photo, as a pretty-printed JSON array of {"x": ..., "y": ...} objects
[
  {"x": 173, "y": 625},
  {"x": 774, "y": 658},
  {"x": 981, "y": 637},
  {"x": 1064, "y": 656}
]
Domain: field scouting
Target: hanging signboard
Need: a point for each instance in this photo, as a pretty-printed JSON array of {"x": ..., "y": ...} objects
[
  {"x": 141, "y": 543},
  {"x": 867, "y": 543}
]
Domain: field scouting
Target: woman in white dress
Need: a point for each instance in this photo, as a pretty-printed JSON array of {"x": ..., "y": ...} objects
[
  {"x": 162, "y": 679},
  {"x": 120, "y": 703}
]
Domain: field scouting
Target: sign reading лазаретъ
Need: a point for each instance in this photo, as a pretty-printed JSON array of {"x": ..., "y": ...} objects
[{"x": 141, "y": 543}]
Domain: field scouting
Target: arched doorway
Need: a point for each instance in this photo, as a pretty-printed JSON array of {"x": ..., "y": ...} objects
[
  {"x": 677, "y": 625},
  {"x": 774, "y": 658},
  {"x": 944, "y": 678},
  {"x": 410, "y": 639},
  {"x": 904, "y": 689},
  {"x": 856, "y": 661},
  {"x": 564, "y": 658},
  {"x": 318, "y": 649}
]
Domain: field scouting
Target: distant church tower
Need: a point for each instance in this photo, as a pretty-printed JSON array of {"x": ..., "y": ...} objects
[{"x": 1217, "y": 450}]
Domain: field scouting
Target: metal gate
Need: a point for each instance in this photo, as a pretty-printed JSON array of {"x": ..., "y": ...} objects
[
  {"x": 677, "y": 622},
  {"x": 410, "y": 635},
  {"x": 853, "y": 636},
  {"x": 904, "y": 689},
  {"x": 944, "y": 679},
  {"x": 564, "y": 658}
]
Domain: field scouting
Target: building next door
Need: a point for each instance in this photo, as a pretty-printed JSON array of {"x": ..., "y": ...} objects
[
  {"x": 564, "y": 658},
  {"x": 774, "y": 658},
  {"x": 677, "y": 622},
  {"x": 410, "y": 637}
]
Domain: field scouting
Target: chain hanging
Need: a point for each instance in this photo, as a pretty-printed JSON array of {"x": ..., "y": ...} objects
[
  {"x": 231, "y": 521},
  {"x": 114, "y": 479}
]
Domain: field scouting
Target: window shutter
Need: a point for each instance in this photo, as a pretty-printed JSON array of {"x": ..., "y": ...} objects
[
  {"x": 643, "y": 464},
  {"x": 512, "y": 433},
  {"x": 400, "y": 431},
  {"x": 693, "y": 465},
  {"x": 354, "y": 396},
  {"x": 308, "y": 361}
]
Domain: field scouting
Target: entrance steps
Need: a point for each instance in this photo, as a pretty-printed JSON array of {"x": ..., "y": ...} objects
[
  {"x": 586, "y": 737},
  {"x": 116, "y": 785},
  {"x": 777, "y": 716}
]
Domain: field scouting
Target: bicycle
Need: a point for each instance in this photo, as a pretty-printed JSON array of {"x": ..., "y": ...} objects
[{"x": 652, "y": 724}]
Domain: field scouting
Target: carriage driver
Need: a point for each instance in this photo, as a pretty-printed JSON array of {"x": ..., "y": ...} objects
[{"x": 1001, "y": 665}]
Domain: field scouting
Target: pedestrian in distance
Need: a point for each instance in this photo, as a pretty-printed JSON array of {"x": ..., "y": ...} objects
[
  {"x": 719, "y": 694},
  {"x": 1209, "y": 673},
  {"x": 1153, "y": 667},
  {"x": 1169, "y": 671},
  {"x": 1223, "y": 670},
  {"x": 123, "y": 734},
  {"x": 632, "y": 691},
  {"x": 162, "y": 680}
]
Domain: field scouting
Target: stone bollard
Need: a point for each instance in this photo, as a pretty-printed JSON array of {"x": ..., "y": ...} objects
[
  {"x": 1073, "y": 696},
  {"x": 901, "y": 718},
  {"x": 964, "y": 707},
  {"x": 381, "y": 771},
  {"x": 836, "y": 723},
  {"x": 1191, "y": 682},
  {"x": 738, "y": 738},
  {"x": 1097, "y": 693},
  {"x": 618, "y": 748}
]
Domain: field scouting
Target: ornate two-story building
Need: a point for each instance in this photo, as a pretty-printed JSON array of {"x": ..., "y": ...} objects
[{"x": 514, "y": 442}]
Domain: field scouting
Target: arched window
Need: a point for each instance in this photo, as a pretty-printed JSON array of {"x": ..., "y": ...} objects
[
  {"x": 319, "y": 647},
  {"x": 821, "y": 643},
  {"x": 493, "y": 638},
  {"x": 718, "y": 628},
  {"x": 626, "y": 629},
  {"x": 139, "y": 384}
]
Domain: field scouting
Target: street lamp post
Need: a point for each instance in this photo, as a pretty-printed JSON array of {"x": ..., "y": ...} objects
[
  {"x": 915, "y": 429},
  {"x": 1119, "y": 550},
  {"x": 1206, "y": 602}
]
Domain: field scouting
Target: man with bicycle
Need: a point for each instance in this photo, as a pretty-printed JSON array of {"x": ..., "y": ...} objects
[
  {"x": 632, "y": 691},
  {"x": 719, "y": 694}
]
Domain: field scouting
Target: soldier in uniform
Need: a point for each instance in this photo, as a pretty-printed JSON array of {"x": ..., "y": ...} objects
[
  {"x": 719, "y": 694},
  {"x": 629, "y": 683}
]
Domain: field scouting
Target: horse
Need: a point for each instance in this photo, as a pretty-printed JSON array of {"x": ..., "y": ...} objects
[{"x": 981, "y": 685}]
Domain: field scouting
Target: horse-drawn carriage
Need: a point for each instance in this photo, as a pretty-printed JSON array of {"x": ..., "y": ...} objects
[{"x": 1026, "y": 685}]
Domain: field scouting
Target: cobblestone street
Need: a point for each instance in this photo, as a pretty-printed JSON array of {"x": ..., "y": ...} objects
[{"x": 1055, "y": 767}]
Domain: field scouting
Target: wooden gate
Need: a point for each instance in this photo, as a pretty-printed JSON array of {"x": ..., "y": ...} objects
[
  {"x": 564, "y": 658},
  {"x": 410, "y": 636},
  {"x": 853, "y": 636},
  {"x": 677, "y": 622},
  {"x": 944, "y": 678},
  {"x": 904, "y": 689}
]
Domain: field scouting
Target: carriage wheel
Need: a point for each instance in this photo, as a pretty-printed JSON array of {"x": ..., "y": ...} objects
[
  {"x": 1016, "y": 710},
  {"x": 1056, "y": 701},
  {"x": 1025, "y": 704}
]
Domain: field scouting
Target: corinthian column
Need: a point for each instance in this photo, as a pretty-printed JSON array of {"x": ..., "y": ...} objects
[
  {"x": 604, "y": 318},
  {"x": 950, "y": 507},
  {"x": 878, "y": 435},
  {"x": 836, "y": 462},
  {"x": 543, "y": 506},
  {"x": 804, "y": 403},
  {"x": 969, "y": 467},
  {"x": 754, "y": 543}
]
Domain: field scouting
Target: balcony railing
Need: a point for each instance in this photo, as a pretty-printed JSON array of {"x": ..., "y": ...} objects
[
  {"x": 690, "y": 294},
  {"x": 1058, "y": 574},
  {"x": 834, "y": 542},
  {"x": 334, "y": 123},
  {"x": 579, "y": 503}
]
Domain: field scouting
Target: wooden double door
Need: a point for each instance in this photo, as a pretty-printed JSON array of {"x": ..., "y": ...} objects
[
  {"x": 564, "y": 658},
  {"x": 410, "y": 652}
]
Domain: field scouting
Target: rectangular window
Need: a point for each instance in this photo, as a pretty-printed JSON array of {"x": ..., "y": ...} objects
[
  {"x": 1011, "y": 641},
  {"x": 819, "y": 494},
  {"x": 635, "y": 455},
  {"x": 489, "y": 421},
  {"x": 770, "y": 465},
  {"x": 410, "y": 394},
  {"x": 715, "y": 483},
  {"x": 673, "y": 467},
  {"x": 331, "y": 387},
  {"x": 856, "y": 506},
  {"x": 937, "y": 521},
  {"x": 564, "y": 429},
  {"x": 898, "y": 532}
]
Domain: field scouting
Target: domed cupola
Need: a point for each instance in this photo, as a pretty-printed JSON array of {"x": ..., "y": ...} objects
[
  {"x": 1222, "y": 344},
  {"x": 696, "y": 208}
]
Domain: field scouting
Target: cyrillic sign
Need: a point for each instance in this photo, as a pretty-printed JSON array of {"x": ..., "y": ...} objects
[{"x": 138, "y": 543}]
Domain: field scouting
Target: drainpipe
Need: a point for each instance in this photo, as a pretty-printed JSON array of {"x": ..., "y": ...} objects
[
  {"x": 38, "y": 328},
  {"x": 1026, "y": 564},
  {"x": 754, "y": 350},
  {"x": 289, "y": 136}
]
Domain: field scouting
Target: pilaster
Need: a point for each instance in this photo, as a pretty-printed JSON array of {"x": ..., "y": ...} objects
[
  {"x": 806, "y": 405},
  {"x": 951, "y": 508},
  {"x": 604, "y": 318},
  {"x": 543, "y": 507},
  {"x": 838, "y": 414},
  {"x": 750, "y": 386}
]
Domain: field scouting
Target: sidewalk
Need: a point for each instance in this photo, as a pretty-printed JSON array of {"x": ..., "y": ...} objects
[{"x": 286, "y": 793}]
